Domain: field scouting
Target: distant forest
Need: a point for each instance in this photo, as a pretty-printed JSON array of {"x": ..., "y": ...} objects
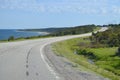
[
  {"x": 66, "y": 30},
  {"x": 110, "y": 37}
]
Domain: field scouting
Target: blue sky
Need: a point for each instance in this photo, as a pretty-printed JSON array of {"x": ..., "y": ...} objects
[{"x": 17, "y": 14}]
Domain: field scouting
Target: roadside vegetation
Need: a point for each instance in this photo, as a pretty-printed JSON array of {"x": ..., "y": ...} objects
[
  {"x": 12, "y": 38},
  {"x": 75, "y": 30},
  {"x": 56, "y": 32},
  {"x": 65, "y": 30},
  {"x": 99, "y": 52}
]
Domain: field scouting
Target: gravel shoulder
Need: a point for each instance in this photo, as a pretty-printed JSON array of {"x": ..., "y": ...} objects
[{"x": 66, "y": 69}]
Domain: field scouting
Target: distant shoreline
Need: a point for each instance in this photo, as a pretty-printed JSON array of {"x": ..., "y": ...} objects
[
  {"x": 6, "y": 34},
  {"x": 33, "y": 31}
]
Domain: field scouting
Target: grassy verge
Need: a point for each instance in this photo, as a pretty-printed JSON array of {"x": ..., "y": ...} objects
[{"x": 67, "y": 49}]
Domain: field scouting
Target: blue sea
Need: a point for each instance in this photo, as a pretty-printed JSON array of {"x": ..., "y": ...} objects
[{"x": 6, "y": 33}]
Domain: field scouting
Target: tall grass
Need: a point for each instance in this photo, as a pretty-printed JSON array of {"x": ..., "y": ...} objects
[{"x": 67, "y": 49}]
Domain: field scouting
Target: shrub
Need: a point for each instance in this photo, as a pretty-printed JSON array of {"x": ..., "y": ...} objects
[
  {"x": 11, "y": 38},
  {"x": 86, "y": 53}
]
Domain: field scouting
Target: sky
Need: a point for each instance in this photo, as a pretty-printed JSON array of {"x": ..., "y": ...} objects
[{"x": 24, "y": 14}]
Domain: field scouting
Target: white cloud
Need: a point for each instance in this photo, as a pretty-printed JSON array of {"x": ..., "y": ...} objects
[{"x": 100, "y": 7}]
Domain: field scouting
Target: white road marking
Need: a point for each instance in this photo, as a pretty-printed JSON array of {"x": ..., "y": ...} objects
[{"x": 48, "y": 66}]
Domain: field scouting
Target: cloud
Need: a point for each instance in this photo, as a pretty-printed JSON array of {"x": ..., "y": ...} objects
[{"x": 99, "y": 7}]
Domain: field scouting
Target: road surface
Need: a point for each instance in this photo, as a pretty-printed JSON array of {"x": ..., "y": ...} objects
[{"x": 25, "y": 60}]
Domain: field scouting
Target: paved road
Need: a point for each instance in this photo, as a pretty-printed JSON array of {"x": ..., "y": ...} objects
[{"x": 25, "y": 60}]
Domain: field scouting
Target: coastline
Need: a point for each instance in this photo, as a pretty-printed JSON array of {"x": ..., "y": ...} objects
[
  {"x": 21, "y": 34},
  {"x": 33, "y": 32}
]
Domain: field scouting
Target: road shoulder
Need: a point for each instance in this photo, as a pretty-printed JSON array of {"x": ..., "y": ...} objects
[{"x": 66, "y": 70}]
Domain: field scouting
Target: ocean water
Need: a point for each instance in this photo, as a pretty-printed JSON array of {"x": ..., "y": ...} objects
[{"x": 6, "y": 33}]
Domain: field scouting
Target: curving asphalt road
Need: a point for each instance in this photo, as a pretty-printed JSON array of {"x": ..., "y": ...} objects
[{"x": 24, "y": 60}]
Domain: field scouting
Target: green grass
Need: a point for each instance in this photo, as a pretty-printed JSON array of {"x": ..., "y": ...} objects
[
  {"x": 104, "y": 52},
  {"x": 104, "y": 65},
  {"x": 106, "y": 61}
]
